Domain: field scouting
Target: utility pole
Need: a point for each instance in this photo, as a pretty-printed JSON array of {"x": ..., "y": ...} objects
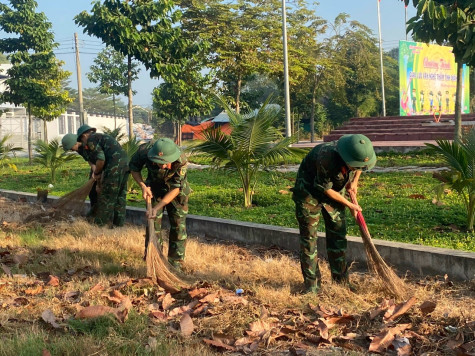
[
  {"x": 78, "y": 72},
  {"x": 405, "y": 19},
  {"x": 288, "y": 128},
  {"x": 381, "y": 61}
]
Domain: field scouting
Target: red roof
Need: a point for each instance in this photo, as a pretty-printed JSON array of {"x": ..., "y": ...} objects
[{"x": 197, "y": 130}]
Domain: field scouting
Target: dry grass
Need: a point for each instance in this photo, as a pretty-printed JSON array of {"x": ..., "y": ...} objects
[{"x": 83, "y": 256}]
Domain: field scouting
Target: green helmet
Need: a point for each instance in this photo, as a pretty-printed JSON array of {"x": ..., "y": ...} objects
[
  {"x": 357, "y": 151},
  {"x": 68, "y": 141},
  {"x": 164, "y": 151},
  {"x": 83, "y": 129}
]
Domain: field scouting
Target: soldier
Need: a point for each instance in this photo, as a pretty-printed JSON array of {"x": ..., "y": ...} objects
[
  {"x": 167, "y": 186},
  {"x": 111, "y": 169},
  {"x": 319, "y": 190}
]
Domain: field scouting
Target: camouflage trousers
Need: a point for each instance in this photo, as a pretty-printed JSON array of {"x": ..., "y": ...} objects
[
  {"x": 177, "y": 210},
  {"x": 308, "y": 212},
  {"x": 111, "y": 200}
]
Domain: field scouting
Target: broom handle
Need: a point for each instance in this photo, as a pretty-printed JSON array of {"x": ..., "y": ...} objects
[{"x": 359, "y": 216}]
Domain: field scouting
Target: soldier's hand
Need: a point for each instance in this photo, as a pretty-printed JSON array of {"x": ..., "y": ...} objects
[
  {"x": 146, "y": 192},
  {"x": 355, "y": 209},
  {"x": 153, "y": 214}
]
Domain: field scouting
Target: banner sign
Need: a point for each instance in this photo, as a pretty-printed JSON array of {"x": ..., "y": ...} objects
[{"x": 428, "y": 79}]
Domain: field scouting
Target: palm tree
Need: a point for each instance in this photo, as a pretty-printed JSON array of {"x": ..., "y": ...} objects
[
  {"x": 116, "y": 133},
  {"x": 51, "y": 156},
  {"x": 6, "y": 149},
  {"x": 460, "y": 156},
  {"x": 253, "y": 144}
]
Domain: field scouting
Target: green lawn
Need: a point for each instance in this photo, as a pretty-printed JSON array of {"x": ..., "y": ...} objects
[{"x": 396, "y": 206}]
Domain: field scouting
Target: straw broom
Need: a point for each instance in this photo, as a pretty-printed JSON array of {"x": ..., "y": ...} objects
[
  {"x": 389, "y": 280},
  {"x": 158, "y": 268}
]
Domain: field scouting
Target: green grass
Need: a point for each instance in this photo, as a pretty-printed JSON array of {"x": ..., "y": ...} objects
[{"x": 389, "y": 209}]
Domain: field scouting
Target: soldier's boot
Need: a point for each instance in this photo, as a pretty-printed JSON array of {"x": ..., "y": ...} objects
[
  {"x": 177, "y": 264},
  {"x": 344, "y": 280}
]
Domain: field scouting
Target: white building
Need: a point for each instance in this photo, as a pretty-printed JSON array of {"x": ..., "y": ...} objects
[{"x": 14, "y": 121}]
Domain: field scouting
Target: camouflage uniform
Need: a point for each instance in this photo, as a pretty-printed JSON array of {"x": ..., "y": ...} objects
[
  {"x": 93, "y": 193},
  {"x": 161, "y": 181},
  {"x": 322, "y": 169},
  {"x": 111, "y": 201}
]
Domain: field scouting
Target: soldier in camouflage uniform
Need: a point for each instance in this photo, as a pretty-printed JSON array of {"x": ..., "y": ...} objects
[
  {"x": 111, "y": 169},
  {"x": 324, "y": 175},
  {"x": 167, "y": 186}
]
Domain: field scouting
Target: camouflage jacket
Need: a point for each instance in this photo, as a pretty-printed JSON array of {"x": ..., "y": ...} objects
[
  {"x": 106, "y": 148},
  {"x": 322, "y": 169},
  {"x": 161, "y": 180}
]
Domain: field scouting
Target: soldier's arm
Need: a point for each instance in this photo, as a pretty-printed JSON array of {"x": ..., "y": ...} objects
[
  {"x": 333, "y": 194},
  {"x": 353, "y": 185},
  {"x": 146, "y": 191},
  {"x": 172, "y": 194}
]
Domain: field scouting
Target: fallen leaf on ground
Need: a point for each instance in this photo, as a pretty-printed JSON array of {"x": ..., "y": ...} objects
[
  {"x": 96, "y": 311},
  {"x": 399, "y": 309},
  {"x": 52, "y": 281},
  {"x": 427, "y": 307},
  {"x": 97, "y": 287},
  {"x": 167, "y": 301},
  {"x": 211, "y": 298},
  {"x": 385, "y": 304},
  {"x": 20, "y": 301},
  {"x": 34, "y": 291},
  {"x": 197, "y": 292},
  {"x": 185, "y": 309},
  {"x": 49, "y": 318},
  {"x": 45, "y": 353},
  {"x": 186, "y": 325},
  {"x": 417, "y": 196},
  {"x": 384, "y": 339},
  {"x": 219, "y": 344},
  {"x": 20, "y": 259},
  {"x": 7, "y": 271}
]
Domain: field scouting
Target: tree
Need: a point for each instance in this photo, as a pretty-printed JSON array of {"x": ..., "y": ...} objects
[
  {"x": 3, "y": 59},
  {"x": 183, "y": 96},
  {"x": 142, "y": 29},
  {"x": 32, "y": 81},
  {"x": 254, "y": 143},
  {"x": 111, "y": 71},
  {"x": 6, "y": 150},
  {"x": 447, "y": 22},
  {"x": 238, "y": 37}
]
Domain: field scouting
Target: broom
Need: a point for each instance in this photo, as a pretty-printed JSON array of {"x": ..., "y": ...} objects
[
  {"x": 158, "y": 268},
  {"x": 389, "y": 280},
  {"x": 71, "y": 203}
]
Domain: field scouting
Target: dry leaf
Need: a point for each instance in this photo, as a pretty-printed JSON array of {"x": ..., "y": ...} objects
[
  {"x": 385, "y": 304},
  {"x": 400, "y": 309},
  {"x": 52, "y": 281},
  {"x": 167, "y": 301},
  {"x": 322, "y": 328},
  {"x": 197, "y": 292},
  {"x": 71, "y": 296},
  {"x": 384, "y": 339},
  {"x": 219, "y": 344},
  {"x": 159, "y": 315},
  {"x": 94, "y": 312},
  {"x": 186, "y": 325},
  {"x": 185, "y": 309},
  {"x": 7, "y": 271},
  {"x": 417, "y": 196},
  {"x": 49, "y": 318},
  {"x": 20, "y": 301},
  {"x": 283, "y": 192},
  {"x": 211, "y": 298},
  {"x": 34, "y": 291},
  {"x": 97, "y": 287},
  {"x": 427, "y": 307},
  {"x": 45, "y": 353},
  {"x": 20, "y": 259}
]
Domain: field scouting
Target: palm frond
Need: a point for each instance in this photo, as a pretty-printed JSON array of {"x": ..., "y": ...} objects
[{"x": 453, "y": 154}]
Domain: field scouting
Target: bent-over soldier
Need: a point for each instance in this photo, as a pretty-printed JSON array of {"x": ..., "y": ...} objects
[
  {"x": 324, "y": 174},
  {"x": 167, "y": 186}
]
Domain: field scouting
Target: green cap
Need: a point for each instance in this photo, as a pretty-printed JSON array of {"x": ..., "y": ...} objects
[
  {"x": 68, "y": 141},
  {"x": 164, "y": 151},
  {"x": 357, "y": 151},
  {"x": 84, "y": 128}
]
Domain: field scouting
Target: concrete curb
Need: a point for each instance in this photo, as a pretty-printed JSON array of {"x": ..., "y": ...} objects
[{"x": 420, "y": 260}]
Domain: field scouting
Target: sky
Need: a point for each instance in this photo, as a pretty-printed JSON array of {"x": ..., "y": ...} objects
[{"x": 61, "y": 13}]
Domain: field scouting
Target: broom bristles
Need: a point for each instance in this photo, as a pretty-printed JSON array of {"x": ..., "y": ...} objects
[
  {"x": 158, "y": 268},
  {"x": 73, "y": 202},
  {"x": 387, "y": 277}
]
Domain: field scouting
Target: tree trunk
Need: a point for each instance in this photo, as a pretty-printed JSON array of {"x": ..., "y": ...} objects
[
  {"x": 30, "y": 136},
  {"x": 471, "y": 213},
  {"x": 45, "y": 130},
  {"x": 312, "y": 114},
  {"x": 458, "y": 104},
  {"x": 115, "y": 119},
  {"x": 131, "y": 111},
  {"x": 238, "y": 93}
]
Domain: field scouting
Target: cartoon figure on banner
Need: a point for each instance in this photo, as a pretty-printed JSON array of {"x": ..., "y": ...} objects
[
  {"x": 439, "y": 99},
  {"x": 447, "y": 101},
  {"x": 414, "y": 101},
  {"x": 421, "y": 100},
  {"x": 431, "y": 100}
]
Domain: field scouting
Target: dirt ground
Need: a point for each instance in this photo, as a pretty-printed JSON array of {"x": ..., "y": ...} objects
[{"x": 56, "y": 275}]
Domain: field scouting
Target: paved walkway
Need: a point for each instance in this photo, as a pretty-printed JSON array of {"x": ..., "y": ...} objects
[
  {"x": 294, "y": 168},
  {"x": 388, "y": 144}
]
